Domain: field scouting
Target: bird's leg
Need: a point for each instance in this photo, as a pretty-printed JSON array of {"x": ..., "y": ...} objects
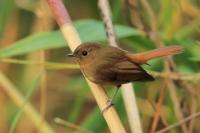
[{"x": 110, "y": 100}]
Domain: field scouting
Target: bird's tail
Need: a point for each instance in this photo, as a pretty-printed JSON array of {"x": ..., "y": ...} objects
[{"x": 143, "y": 57}]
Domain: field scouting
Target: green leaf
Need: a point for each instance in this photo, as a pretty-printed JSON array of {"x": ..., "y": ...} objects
[
  {"x": 189, "y": 30},
  {"x": 195, "y": 59},
  {"x": 165, "y": 14},
  {"x": 32, "y": 43},
  {"x": 89, "y": 31},
  {"x": 26, "y": 99},
  {"x": 80, "y": 97}
]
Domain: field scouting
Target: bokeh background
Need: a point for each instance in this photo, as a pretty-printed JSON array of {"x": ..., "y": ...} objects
[{"x": 38, "y": 80}]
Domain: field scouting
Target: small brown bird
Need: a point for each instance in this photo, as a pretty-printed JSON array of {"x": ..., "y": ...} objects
[{"x": 107, "y": 65}]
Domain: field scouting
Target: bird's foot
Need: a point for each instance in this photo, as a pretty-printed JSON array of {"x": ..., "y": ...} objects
[{"x": 108, "y": 105}]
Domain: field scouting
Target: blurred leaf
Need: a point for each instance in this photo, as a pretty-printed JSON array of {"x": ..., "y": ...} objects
[
  {"x": 78, "y": 85},
  {"x": 33, "y": 43},
  {"x": 139, "y": 43},
  {"x": 191, "y": 49},
  {"x": 27, "y": 5},
  {"x": 92, "y": 30},
  {"x": 89, "y": 31},
  {"x": 116, "y": 11},
  {"x": 6, "y": 8},
  {"x": 195, "y": 59},
  {"x": 96, "y": 117},
  {"x": 165, "y": 14},
  {"x": 33, "y": 86},
  {"x": 189, "y": 29}
]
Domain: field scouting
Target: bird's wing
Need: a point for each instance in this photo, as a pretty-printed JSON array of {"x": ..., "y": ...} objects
[
  {"x": 127, "y": 71},
  {"x": 124, "y": 71}
]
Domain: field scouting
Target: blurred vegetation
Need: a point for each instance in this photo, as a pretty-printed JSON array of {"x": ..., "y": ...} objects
[{"x": 31, "y": 43}]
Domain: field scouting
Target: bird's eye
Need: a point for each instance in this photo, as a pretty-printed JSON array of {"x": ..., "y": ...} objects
[{"x": 84, "y": 53}]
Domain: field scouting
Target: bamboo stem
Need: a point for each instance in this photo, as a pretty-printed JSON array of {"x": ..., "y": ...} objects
[
  {"x": 106, "y": 16},
  {"x": 131, "y": 108}
]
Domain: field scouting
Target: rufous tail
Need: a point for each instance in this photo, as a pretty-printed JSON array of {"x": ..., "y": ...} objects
[{"x": 143, "y": 57}]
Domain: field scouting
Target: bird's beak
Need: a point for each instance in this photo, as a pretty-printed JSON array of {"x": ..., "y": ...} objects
[{"x": 71, "y": 55}]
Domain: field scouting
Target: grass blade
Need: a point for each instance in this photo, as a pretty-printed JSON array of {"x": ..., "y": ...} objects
[{"x": 26, "y": 99}]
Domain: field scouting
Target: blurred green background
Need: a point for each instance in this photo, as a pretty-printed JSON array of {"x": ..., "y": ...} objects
[{"x": 35, "y": 69}]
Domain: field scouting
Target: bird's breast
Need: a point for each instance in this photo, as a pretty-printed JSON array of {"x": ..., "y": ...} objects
[{"x": 90, "y": 70}]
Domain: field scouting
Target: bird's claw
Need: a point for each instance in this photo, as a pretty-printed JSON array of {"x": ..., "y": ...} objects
[{"x": 108, "y": 105}]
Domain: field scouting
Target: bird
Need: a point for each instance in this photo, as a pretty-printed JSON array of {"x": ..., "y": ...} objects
[{"x": 108, "y": 65}]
